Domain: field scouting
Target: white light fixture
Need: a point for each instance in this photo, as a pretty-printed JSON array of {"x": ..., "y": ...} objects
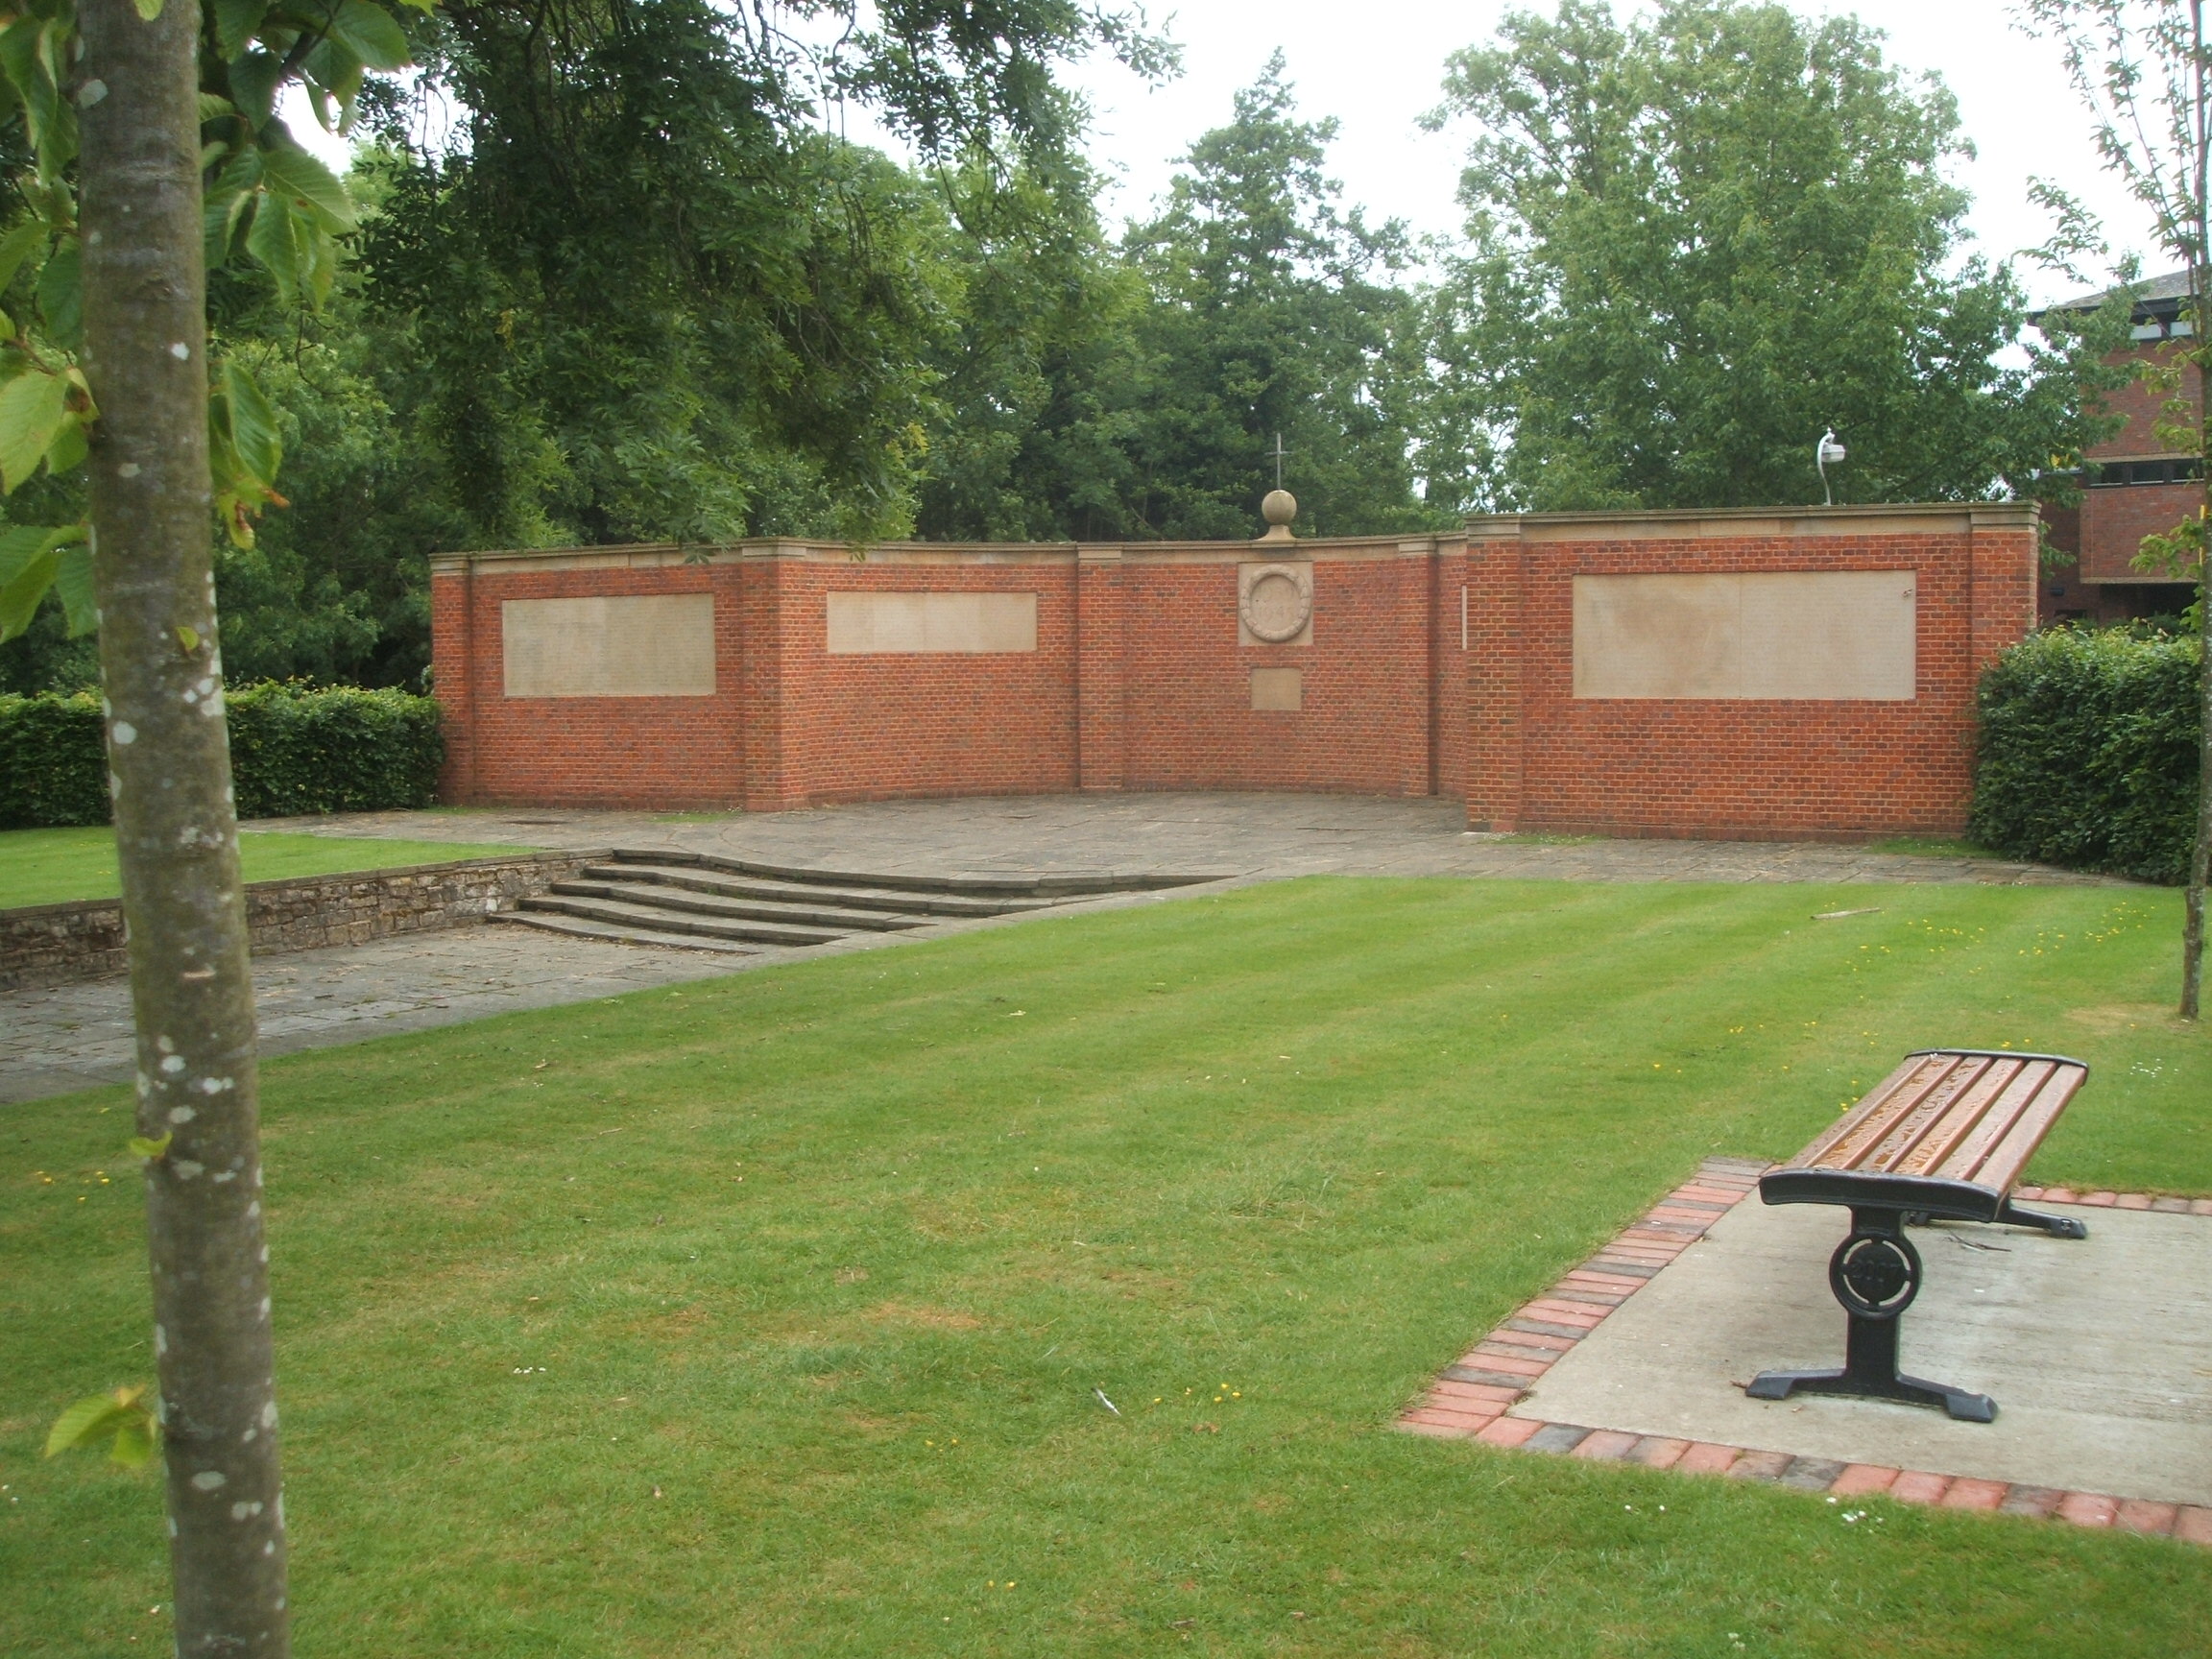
[{"x": 1829, "y": 450}]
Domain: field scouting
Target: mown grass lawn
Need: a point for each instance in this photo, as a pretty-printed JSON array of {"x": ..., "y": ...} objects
[
  {"x": 55, "y": 866},
  {"x": 764, "y": 1316}
]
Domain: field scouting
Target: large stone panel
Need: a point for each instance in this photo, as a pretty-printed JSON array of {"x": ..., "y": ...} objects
[
  {"x": 1846, "y": 636},
  {"x": 872, "y": 624},
  {"x": 637, "y": 645}
]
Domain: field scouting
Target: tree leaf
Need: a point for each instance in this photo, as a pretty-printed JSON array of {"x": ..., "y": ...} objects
[
  {"x": 235, "y": 21},
  {"x": 62, "y": 296},
  {"x": 17, "y": 246},
  {"x": 254, "y": 76},
  {"x": 141, "y": 1147},
  {"x": 290, "y": 170},
  {"x": 32, "y": 406},
  {"x": 274, "y": 239},
  {"x": 73, "y": 582},
  {"x": 369, "y": 32},
  {"x": 139, "y": 1434},
  {"x": 254, "y": 436},
  {"x": 148, "y": 10},
  {"x": 69, "y": 447},
  {"x": 85, "y": 1421},
  {"x": 24, "y": 591}
]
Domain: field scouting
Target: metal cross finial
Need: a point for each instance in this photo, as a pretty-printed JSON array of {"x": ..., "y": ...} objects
[{"x": 1280, "y": 452}]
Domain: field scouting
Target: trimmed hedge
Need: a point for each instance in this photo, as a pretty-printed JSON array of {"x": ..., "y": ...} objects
[
  {"x": 293, "y": 749},
  {"x": 2089, "y": 752}
]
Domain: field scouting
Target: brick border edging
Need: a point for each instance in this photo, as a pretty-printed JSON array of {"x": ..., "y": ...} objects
[{"x": 1470, "y": 1400}]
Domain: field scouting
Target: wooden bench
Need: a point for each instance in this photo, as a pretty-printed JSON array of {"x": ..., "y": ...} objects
[{"x": 1945, "y": 1136}]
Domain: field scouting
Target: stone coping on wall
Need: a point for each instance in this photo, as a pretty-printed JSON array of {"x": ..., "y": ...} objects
[
  {"x": 660, "y": 555},
  {"x": 1694, "y": 524},
  {"x": 83, "y": 939},
  {"x": 1472, "y": 1398}
]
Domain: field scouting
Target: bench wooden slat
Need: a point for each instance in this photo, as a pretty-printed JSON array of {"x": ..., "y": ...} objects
[
  {"x": 2000, "y": 1166},
  {"x": 1979, "y": 1109},
  {"x": 2023, "y": 1080},
  {"x": 1908, "y": 1128},
  {"x": 1846, "y": 1143},
  {"x": 1949, "y": 1131}
]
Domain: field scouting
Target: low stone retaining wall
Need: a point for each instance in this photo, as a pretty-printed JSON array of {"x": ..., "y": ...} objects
[{"x": 47, "y": 944}]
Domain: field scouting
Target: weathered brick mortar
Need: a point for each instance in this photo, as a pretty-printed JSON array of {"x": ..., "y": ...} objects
[{"x": 49, "y": 944}]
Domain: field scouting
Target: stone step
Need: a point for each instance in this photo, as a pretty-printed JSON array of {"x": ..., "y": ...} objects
[
  {"x": 657, "y": 919},
  {"x": 1062, "y": 884},
  {"x": 578, "y": 927},
  {"x": 817, "y": 910},
  {"x": 908, "y": 904}
]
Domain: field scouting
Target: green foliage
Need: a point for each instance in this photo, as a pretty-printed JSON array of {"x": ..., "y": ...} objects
[
  {"x": 338, "y": 749},
  {"x": 53, "y": 766},
  {"x": 293, "y": 749},
  {"x": 2089, "y": 752},
  {"x": 1271, "y": 313},
  {"x": 123, "y": 1419},
  {"x": 1697, "y": 240}
]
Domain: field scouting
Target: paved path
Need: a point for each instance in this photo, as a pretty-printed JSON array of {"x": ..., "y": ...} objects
[{"x": 78, "y": 1035}]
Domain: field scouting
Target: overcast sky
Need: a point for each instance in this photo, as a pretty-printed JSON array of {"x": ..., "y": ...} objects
[{"x": 1377, "y": 64}]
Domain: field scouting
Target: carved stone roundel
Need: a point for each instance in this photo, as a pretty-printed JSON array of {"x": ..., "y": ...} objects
[{"x": 1278, "y": 604}]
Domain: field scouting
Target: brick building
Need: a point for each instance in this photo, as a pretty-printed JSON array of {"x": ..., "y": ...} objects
[
  {"x": 2133, "y": 486},
  {"x": 1792, "y": 671}
]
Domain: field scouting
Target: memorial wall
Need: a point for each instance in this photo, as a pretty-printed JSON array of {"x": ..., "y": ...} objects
[{"x": 1785, "y": 672}]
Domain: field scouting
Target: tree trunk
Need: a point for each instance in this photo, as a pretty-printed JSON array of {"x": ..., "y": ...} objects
[
  {"x": 176, "y": 828},
  {"x": 2200, "y": 351}
]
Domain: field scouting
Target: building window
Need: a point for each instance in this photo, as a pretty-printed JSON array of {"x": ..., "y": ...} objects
[{"x": 2181, "y": 470}]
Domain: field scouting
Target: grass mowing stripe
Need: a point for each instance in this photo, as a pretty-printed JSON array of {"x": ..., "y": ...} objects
[{"x": 860, "y": 1377}]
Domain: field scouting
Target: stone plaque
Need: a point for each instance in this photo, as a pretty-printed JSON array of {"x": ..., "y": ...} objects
[
  {"x": 1830, "y": 636},
  {"x": 1278, "y": 690},
  {"x": 876, "y": 624},
  {"x": 1275, "y": 604},
  {"x": 644, "y": 646}
]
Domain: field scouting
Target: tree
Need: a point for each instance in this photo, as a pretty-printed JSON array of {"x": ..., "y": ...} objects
[
  {"x": 1271, "y": 313},
  {"x": 105, "y": 378},
  {"x": 1698, "y": 241},
  {"x": 712, "y": 319},
  {"x": 2144, "y": 68}
]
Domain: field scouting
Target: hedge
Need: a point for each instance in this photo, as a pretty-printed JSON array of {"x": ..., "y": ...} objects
[
  {"x": 293, "y": 749},
  {"x": 2088, "y": 753}
]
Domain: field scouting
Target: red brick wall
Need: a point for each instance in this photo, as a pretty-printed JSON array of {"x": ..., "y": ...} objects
[
  {"x": 2116, "y": 517},
  {"x": 1544, "y": 759},
  {"x": 2141, "y": 407},
  {"x": 1365, "y": 723},
  {"x": 669, "y": 752},
  {"x": 1140, "y": 681},
  {"x": 871, "y": 727}
]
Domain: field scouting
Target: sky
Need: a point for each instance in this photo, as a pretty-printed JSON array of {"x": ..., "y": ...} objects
[{"x": 1376, "y": 65}]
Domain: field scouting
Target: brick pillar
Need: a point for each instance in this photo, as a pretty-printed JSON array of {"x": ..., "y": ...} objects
[
  {"x": 1416, "y": 626},
  {"x": 2006, "y": 560},
  {"x": 1494, "y": 669},
  {"x": 1102, "y": 708},
  {"x": 453, "y": 672},
  {"x": 760, "y": 669}
]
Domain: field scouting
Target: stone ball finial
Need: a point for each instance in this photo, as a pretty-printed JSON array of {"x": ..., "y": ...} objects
[{"x": 1279, "y": 508}]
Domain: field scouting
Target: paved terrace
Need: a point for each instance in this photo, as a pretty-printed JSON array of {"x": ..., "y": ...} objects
[{"x": 77, "y": 1036}]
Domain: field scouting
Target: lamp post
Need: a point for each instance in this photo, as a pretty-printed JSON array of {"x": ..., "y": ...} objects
[{"x": 1829, "y": 449}]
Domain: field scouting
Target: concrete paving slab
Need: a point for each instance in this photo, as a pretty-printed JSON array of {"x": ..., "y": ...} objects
[{"x": 2098, "y": 1351}]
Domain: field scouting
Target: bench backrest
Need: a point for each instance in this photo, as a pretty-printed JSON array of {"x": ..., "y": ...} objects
[{"x": 1971, "y": 1117}]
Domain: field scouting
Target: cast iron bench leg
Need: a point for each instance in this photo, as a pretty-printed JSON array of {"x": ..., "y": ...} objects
[
  {"x": 1875, "y": 1274},
  {"x": 2057, "y": 1226}
]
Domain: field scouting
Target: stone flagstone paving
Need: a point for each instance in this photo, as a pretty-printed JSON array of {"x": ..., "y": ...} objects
[{"x": 1495, "y": 1394}]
